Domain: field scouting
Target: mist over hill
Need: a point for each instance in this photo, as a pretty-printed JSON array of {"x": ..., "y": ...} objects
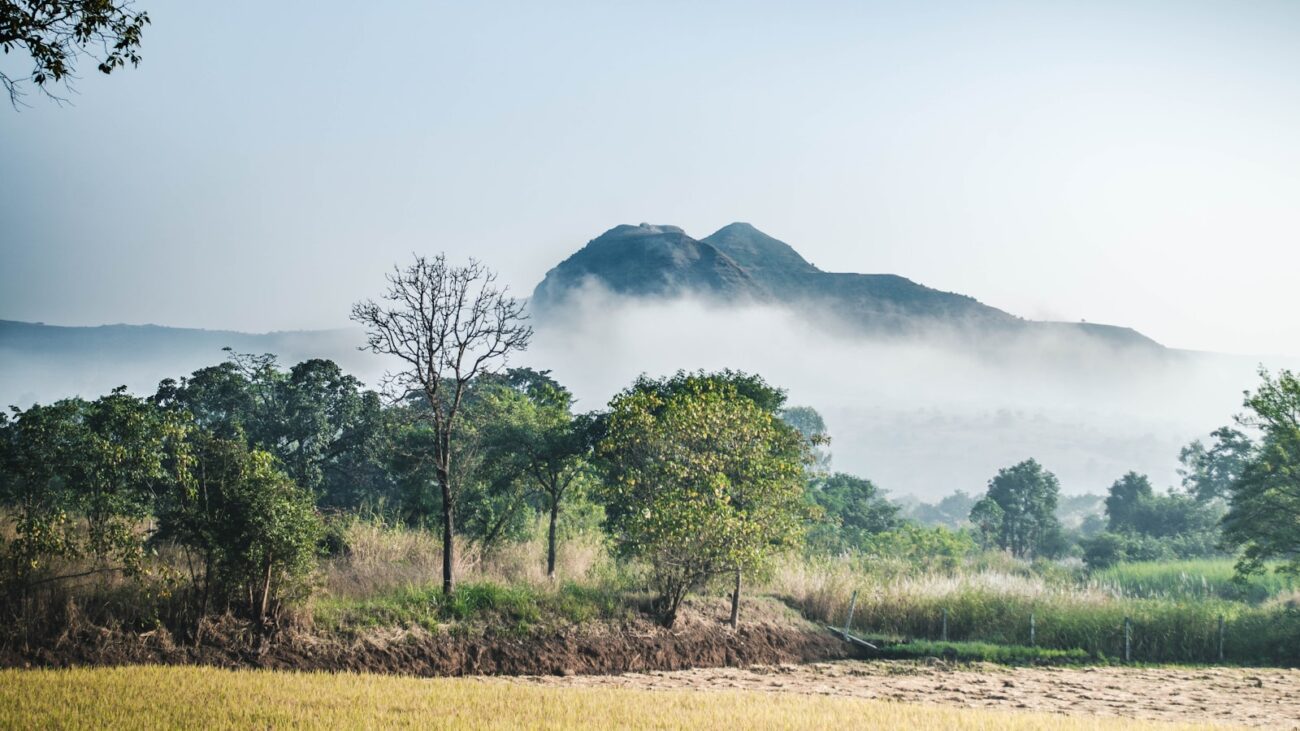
[{"x": 924, "y": 391}]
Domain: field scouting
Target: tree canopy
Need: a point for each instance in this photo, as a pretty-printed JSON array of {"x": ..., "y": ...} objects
[
  {"x": 55, "y": 33},
  {"x": 1024, "y": 522},
  {"x": 706, "y": 481},
  {"x": 1263, "y": 518},
  {"x": 852, "y": 509},
  {"x": 1209, "y": 473}
]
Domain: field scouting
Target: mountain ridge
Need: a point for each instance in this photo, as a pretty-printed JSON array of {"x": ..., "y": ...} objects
[{"x": 739, "y": 264}]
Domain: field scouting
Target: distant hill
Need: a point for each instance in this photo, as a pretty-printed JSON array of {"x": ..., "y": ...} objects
[
  {"x": 41, "y": 362},
  {"x": 739, "y": 264}
]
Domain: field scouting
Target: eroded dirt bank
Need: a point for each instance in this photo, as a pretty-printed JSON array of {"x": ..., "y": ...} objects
[
  {"x": 772, "y": 635},
  {"x": 1267, "y": 698}
]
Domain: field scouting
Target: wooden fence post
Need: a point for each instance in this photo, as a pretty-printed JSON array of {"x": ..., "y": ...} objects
[
  {"x": 1033, "y": 627},
  {"x": 944, "y": 631},
  {"x": 1220, "y": 638},
  {"x": 853, "y": 603},
  {"x": 1128, "y": 640}
]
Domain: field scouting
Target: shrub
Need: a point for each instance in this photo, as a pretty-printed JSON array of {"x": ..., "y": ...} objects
[{"x": 252, "y": 533}]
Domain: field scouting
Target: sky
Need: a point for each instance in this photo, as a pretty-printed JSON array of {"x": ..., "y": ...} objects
[{"x": 1132, "y": 163}]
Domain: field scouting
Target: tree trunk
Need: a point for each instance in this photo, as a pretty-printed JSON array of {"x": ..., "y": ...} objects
[
  {"x": 550, "y": 538},
  {"x": 448, "y": 531},
  {"x": 207, "y": 594},
  {"x": 266, "y": 592},
  {"x": 735, "y": 602}
]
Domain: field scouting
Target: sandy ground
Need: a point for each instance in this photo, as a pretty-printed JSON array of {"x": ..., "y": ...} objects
[{"x": 1234, "y": 696}]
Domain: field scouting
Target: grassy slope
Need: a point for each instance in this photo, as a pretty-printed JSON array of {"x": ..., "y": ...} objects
[{"x": 187, "y": 697}]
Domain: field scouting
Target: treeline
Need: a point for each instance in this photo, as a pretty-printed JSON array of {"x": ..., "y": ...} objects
[
  {"x": 1024, "y": 513},
  {"x": 238, "y": 472},
  {"x": 244, "y": 467}
]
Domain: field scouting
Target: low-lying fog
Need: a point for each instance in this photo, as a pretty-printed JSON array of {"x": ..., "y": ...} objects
[{"x": 923, "y": 416}]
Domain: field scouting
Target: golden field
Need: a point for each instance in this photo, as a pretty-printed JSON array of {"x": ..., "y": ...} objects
[{"x": 197, "y": 697}]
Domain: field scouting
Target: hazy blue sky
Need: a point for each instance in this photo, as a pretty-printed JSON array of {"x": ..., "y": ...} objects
[{"x": 1132, "y": 163}]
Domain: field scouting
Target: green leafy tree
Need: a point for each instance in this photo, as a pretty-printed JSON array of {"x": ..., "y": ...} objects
[
  {"x": 930, "y": 548},
  {"x": 1209, "y": 474},
  {"x": 813, "y": 428},
  {"x": 987, "y": 517},
  {"x": 322, "y": 415},
  {"x": 355, "y": 473},
  {"x": 1027, "y": 495},
  {"x": 1105, "y": 549},
  {"x": 752, "y": 386},
  {"x": 707, "y": 481},
  {"x": 36, "y": 497},
  {"x": 54, "y": 33},
  {"x": 952, "y": 511},
  {"x": 536, "y": 431},
  {"x": 853, "y": 510},
  {"x": 492, "y": 505},
  {"x": 1143, "y": 525},
  {"x": 1263, "y": 518},
  {"x": 314, "y": 418},
  {"x": 80, "y": 478},
  {"x": 1133, "y": 507},
  {"x": 251, "y": 531},
  {"x": 1128, "y": 504}
]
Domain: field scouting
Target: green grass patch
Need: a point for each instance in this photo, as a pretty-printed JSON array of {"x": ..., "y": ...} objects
[
  {"x": 517, "y": 608},
  {"x": 986, "y": 652},
  {"x": 1193, "y": 579},
  {"x": 1162, "y": 630}
]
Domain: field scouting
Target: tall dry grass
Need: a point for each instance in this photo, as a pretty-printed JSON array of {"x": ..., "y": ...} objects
[
  {"x": 999, "y": 606},
  {"x": 383, "y": 556}
]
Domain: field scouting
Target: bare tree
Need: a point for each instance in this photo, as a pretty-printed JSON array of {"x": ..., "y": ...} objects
[{"x": 447, "y": 325}]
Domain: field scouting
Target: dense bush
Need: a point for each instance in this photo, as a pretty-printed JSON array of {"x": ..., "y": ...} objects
[{"x": 249, "y": 532}]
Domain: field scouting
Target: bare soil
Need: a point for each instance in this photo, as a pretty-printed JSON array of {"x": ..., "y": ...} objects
[
  {"x": 1266, "y": 698},
  {"x": 772, "y": 634}
]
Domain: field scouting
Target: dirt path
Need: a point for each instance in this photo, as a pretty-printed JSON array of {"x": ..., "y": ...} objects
[{"x": 1235, "y": 696}]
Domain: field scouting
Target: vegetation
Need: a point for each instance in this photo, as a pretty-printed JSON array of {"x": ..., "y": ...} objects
[
  {"x": 516, "y": 607},
  {"x": 1194, "y": 579},
  {"x": 54, "y": 33},
  {"x": 446, "y": 325},
  {"x": 1019, "y": 512},
  {"x": 992, "y": 600},
  {"x": 276, "y": 496},
  {"x": 984, "y": 652},
  {"x": 248, "y": 531},
  {"x": 1263, "y": 513},
  {"x": 704, "y": 481},
  {"x": 853, "y": 511}
]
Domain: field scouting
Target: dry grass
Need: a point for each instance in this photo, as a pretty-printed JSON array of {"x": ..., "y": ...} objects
[
  {"x": 383, "y": 557},
  {"x": 158, "y": 697},
  {"x": 998, "y": 604}
]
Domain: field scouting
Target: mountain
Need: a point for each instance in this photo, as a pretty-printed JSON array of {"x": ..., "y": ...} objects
[
  {"x": 739, "y": 264},
  {"x": 646, "y": 260}
]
